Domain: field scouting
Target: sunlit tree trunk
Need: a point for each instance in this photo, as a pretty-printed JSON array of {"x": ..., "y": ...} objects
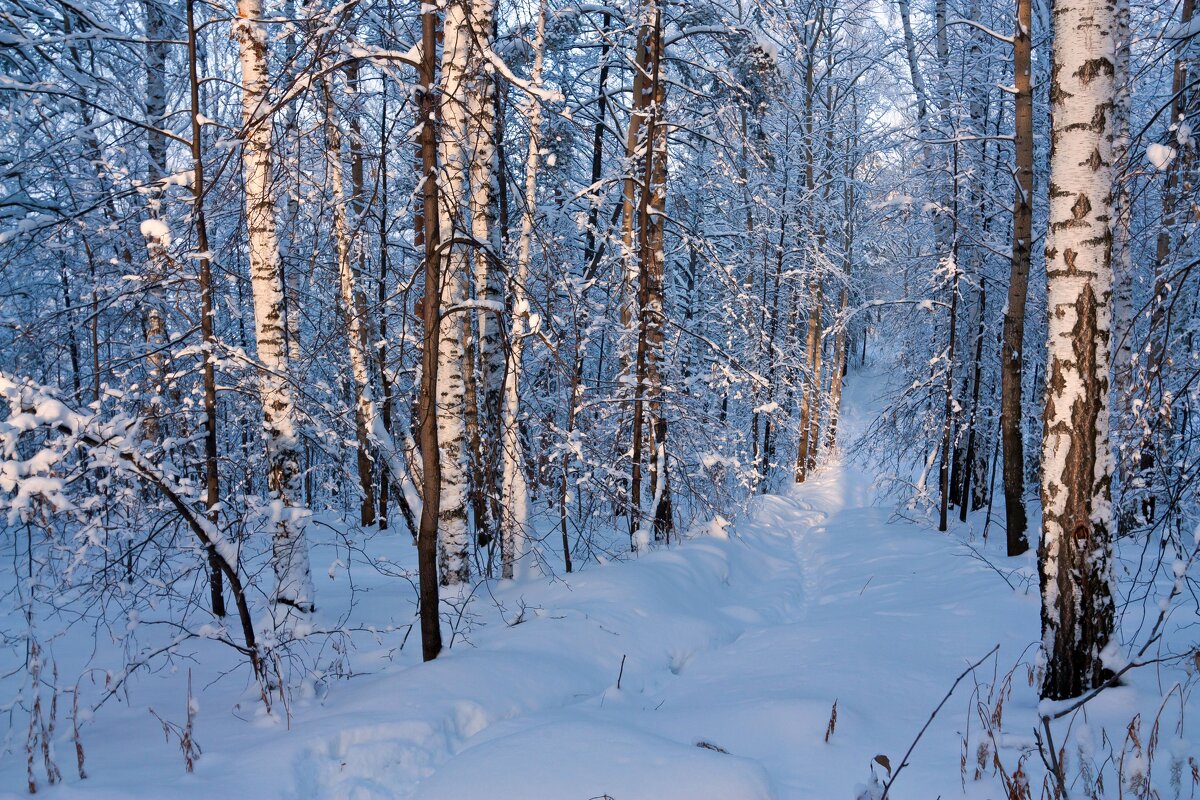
[
  {"x": 514, "y": 492},
  {"x": 1012, "y": 352},
  {"x": 452, "y": 365},
  {"x": 1075, "y": 552},
  {"x": 644, "y": 213},
  {"x": 813, "y": 337},
  {"x": 294, "y": 587},
  {"x": 430, "y": 309},
  {"x": 154, "y": 231}
]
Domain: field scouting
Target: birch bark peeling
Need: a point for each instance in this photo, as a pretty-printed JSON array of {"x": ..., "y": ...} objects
[
  {"x": 454, "y": 567},
  {"x": 1075, "y": 553}
]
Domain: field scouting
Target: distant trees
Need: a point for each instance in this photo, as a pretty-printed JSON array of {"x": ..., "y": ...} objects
[{"x": 555, "y": 282}]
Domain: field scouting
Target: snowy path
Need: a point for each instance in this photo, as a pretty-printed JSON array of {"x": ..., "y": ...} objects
[
  {"x": 740, "y": 643},
  {"x": 883, "y": 619}
]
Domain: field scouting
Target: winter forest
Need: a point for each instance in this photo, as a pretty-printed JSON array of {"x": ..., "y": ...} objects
[{"x": 633, "y": 400}]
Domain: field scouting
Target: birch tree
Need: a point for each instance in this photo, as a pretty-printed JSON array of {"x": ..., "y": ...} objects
[
  {"x": 1075, "y": 553},
  {"x": 294, "y": 588},
  {"x": 452, "y": 365},
  {"x": 514, "y": 490}
]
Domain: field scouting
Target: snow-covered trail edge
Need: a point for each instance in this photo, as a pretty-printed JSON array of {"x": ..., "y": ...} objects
[{"x": 730, "y": 650}]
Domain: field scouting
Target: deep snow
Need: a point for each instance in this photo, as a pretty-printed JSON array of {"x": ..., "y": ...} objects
[{"x": 730, "y": 651}]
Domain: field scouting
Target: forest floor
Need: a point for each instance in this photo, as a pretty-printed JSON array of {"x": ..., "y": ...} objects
[{"x": 706, "y": 670}]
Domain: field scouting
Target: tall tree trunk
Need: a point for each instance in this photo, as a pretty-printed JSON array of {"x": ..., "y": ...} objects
[
  {"x": 651, "y": 290},
  {"x": 430, "y": 309},
  {"x": 811, "y": 392},
  {"x": 513, "y": 488},
  {"x": 813, "y": 340},
  {"x": 1011, "y": 356},
  {"x": 352, "y": 233},
  {"x": 291, "y": 147},
  {"x": 636, "y": 152},
  {"x": 1123, "y": 268},
  {"x": 949, "y": 425},
  {"x": 294, "y": 588},
  {"x": 488, "y": 264},
  {"x": 814, "y": 405},
  {"x": 644, "y": 214},
  {"x": 452, "y": 366},
  {"x": 154, "y": 231},
  {"x": 212, "y": 481},
  {"x": 1075, "y": 552},
  {"x": 841, "y": 340},
  {"x": 381, "y": 352}
]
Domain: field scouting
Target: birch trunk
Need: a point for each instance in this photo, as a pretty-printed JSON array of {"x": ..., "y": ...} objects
[
  {"x": 810, "y": 394},
  {"x": 814, "y": 404},
  {"x": 636, "y": 149},
  {"x": 488, "y": 260},
  {"x": 1123, "y": 269},
  {"x": 291, "y": 147},
  {"x": 812, "y": 341},
  {"x": 155, "y": 233},
  {"x": 289, "y": 549},
  {"x": 451, "y": 400},
  {"x": 355, "y": 250},
  {"x": 1075, "y": 552},
  {"x": 841, "y": 340},
  {"x": 651, "y": 294},
  {"x": 514, "y": 491}
]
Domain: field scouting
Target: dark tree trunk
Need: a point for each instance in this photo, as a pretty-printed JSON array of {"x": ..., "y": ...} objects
[
  {"x": 1011, "y": 358},
  {"x": 431, "y": 484}
]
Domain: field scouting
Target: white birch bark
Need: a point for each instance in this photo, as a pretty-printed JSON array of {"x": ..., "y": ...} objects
[
  {"x": 290, "y": 150},
  {"x": 514, "y": 493},
  {"x": 294, "y": 588},
  {"x": 488, "y": 274},
  {"x": 155, "y": 232},
  {"x": 453, "y": 566},
  {"x": 1075, "y": 553}
]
